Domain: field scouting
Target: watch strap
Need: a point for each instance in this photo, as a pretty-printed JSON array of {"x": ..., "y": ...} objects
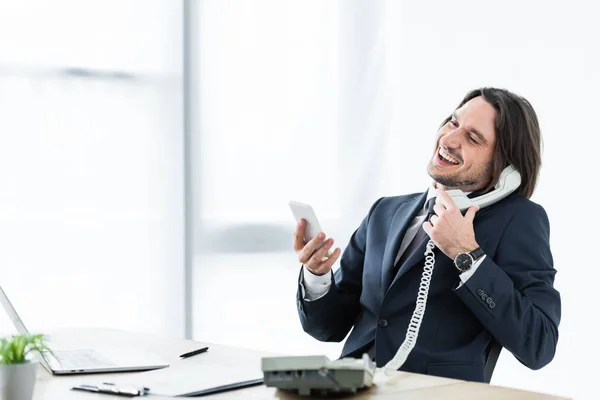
[{"x": 477, "y": 253}]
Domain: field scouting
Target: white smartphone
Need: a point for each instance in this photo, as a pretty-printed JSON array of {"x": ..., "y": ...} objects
[{"x": 312, "y": 229}]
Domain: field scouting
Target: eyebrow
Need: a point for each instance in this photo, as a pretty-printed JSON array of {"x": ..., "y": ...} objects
[{"x": 472, "y": 130}]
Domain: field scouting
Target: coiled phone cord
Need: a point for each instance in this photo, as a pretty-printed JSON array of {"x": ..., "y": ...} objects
[{"x": 415, "y": 322}]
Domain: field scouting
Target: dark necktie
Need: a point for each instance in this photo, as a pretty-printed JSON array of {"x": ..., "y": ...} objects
[{"x": 418, "y": 239}]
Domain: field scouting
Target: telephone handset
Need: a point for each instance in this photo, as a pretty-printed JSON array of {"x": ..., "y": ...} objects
[{"x": 509, "y": 181}]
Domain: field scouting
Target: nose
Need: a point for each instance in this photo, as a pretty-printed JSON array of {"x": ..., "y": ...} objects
[{"x": 452, "y": 139}]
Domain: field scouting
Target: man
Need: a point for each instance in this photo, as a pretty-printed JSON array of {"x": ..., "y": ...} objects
[{"x": 504, "y": 297}]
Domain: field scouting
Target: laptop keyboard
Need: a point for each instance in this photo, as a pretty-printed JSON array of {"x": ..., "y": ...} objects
[{"x": 78, "y": 359}]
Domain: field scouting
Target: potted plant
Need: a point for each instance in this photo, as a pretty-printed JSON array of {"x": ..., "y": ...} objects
[{"x": 17, "y": 368}]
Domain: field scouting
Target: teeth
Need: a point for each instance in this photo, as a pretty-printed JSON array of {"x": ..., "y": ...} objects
[{"x": 448, "y": 157}]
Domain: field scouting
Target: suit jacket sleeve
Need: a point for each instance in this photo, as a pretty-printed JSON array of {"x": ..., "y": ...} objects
[
  {"x": 513, "y": 295},
  {"x": 330, "y": 318}
]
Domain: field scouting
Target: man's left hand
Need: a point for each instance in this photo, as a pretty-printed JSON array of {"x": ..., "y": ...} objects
[{"x": 451, "y": 232}]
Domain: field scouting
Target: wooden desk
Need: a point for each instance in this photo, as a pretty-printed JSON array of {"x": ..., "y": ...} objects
[{"x": 410, "y": 386}]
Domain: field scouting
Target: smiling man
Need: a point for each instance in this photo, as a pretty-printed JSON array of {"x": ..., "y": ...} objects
[{"x": 493, "y": 283}]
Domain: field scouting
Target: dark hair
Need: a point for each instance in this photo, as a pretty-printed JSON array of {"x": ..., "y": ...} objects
[{"x": 518, "y": 137}]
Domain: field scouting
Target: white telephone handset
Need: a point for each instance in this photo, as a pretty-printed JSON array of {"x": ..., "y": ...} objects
[{"x": 509, "y": 181}]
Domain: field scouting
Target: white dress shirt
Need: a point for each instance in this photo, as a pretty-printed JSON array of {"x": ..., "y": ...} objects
[{"x": 316, "y": 286}]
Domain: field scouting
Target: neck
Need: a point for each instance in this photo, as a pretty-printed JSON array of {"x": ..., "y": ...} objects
[{"x": 465, "y": 189}]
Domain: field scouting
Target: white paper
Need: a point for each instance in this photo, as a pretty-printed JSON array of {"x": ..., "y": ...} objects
[{"x": 187, "y": 376}]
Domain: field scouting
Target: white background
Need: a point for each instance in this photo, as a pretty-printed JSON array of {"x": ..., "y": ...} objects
[
  {"x": 91, "y": 170},
  {"x": 335, "y": 103}
]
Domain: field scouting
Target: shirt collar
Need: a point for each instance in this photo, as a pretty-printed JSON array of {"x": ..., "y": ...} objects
[{"x": 430, "y": 194}]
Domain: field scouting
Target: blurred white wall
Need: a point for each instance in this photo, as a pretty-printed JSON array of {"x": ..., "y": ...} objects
[
  {"x": 337, "y": 103},
  {"x": 91, "y": 164}
]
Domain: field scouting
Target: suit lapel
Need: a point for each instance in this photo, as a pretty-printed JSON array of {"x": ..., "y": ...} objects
[{"x": 400, "y": 223}]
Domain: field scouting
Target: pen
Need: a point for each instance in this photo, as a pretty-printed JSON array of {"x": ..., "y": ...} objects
[
  {"x": 111, "y": 388},
  {"x": 193, "y": 353}
]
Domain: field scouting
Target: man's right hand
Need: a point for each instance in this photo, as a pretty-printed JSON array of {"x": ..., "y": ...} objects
[{"x": 311, "y": 255}]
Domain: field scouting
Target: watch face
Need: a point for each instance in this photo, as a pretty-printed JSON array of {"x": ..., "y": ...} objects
[{"x": 463, "y": 262}]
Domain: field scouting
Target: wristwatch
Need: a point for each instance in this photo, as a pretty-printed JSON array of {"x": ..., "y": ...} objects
[{"x": 464, "y": 261}]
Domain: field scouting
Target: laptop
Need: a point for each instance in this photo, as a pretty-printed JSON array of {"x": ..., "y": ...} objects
[{"x": 82, "y": 361}]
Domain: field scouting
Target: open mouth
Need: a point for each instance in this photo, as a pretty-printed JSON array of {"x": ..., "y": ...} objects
[{"x": 444, "y": 159}]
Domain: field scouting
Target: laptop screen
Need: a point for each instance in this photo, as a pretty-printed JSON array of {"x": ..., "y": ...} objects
[
  {"x": 12, "y": 313},
  {"x": 14, "y": 317}
]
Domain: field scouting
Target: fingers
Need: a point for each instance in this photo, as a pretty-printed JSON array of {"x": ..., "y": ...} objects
[
  {"x": 433, "y": 220},
  {"x": 470, "y": 215},
  {"x": 309, "y": 248},
  {"x": 314, "y": 253},
  {"x": 325, "y": 265},
  {"x": 440, "y": 212},
  {"x": 321, "y": 253},
  {"x": 445, "y": 199},
  {"x": 427, "y": 227},
  {"x": 299, "y": 242}
]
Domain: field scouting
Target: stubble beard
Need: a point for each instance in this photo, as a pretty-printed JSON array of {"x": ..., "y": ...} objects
[{"x": 458, "y": 181}]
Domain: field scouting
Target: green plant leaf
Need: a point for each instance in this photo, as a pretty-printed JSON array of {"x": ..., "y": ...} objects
[{"x": 14, "y": 350}]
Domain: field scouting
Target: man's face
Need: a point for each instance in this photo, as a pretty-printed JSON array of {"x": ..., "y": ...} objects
[{"x": 465, "y": 146}]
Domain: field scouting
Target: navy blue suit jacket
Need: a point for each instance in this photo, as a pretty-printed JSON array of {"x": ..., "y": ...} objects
[{"x": 510, "y": 299}]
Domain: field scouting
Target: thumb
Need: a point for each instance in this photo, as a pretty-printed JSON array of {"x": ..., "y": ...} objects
[{"x": 470, "y": 215}]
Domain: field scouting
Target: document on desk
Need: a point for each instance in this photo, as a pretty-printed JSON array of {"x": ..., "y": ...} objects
[{"x": 188, "y": 377}]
